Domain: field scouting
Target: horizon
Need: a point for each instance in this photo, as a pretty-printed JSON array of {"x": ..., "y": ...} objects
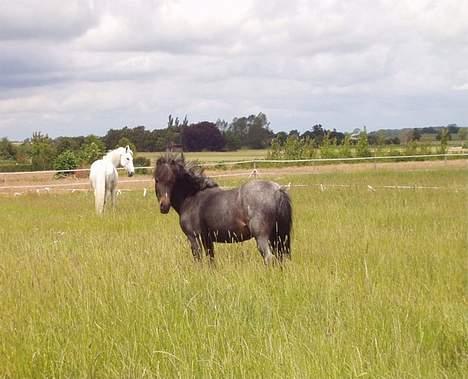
[{"x": 80, "y": 68}]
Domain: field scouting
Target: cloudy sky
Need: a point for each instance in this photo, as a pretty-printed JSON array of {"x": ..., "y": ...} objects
[{"x": 79, "y": 67}]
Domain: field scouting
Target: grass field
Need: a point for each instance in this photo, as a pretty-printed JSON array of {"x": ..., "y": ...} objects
[
  {"x": 216, "y": 156},
  {"x": 376, "y": 287}
]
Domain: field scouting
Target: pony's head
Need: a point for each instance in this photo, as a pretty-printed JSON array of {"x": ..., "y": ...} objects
[
  {"x": 165, "y": 176},
  {"x": 174, "y": 176},
  {"x": 126, "y": 160}
]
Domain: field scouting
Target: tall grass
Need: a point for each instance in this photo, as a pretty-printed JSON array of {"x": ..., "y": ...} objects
[{"x": 376, "y": 288}]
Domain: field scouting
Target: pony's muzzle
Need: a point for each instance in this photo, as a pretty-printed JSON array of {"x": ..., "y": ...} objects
[
  {"x": 164, "y": 206},
  {"x": 130, "y": 173}
]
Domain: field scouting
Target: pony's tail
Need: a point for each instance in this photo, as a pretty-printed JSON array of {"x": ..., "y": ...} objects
[
  {"x": 281, "y": 236},
  {"x": 99, "y": 193}
]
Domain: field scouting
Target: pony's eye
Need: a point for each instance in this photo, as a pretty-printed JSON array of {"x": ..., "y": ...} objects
[{"x": 128, "y": 159}]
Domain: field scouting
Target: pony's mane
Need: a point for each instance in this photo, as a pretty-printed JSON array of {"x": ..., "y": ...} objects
[{"x": 190, "y": 171}]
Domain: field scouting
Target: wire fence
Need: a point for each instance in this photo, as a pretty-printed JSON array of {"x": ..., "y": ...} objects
[{"x": 253, "y": 171}]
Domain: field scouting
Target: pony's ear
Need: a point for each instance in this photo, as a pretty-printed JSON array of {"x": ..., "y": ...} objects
[{"x": 127, "y": 148}]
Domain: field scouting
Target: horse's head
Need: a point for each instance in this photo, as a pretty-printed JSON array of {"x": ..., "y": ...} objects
[
  {"x": 165, "y": 176},
  {"x": 126, "y": 160}
]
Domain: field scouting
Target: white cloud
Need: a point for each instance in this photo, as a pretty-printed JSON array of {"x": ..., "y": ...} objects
[{"x": 78, "y": 67}]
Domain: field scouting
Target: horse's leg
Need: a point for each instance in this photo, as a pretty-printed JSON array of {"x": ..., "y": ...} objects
[
  {"x": 196, "y": 247},
  {"x": 208, "y": 245},
  {"x": 114, "y": 197},
  {"x": 263, "y": 245},
  {"x": 106, "y": 197},
  {"x": 261, "y": 230}
]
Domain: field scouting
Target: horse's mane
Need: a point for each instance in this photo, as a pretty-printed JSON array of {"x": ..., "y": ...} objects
[
  {"x": 190, "y": 171},
  {"x": 110, "y": 152}
]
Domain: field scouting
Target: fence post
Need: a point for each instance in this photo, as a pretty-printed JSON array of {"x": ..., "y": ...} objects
[
  {"x": 375, "y": 159},
  {"x": 254, "y": 172}
]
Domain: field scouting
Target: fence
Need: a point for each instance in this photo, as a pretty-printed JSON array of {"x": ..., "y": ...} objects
[{"x": 253, "y": 171}]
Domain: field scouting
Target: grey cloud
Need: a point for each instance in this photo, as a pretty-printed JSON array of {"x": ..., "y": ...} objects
[
  {"x": 74, "y": 67},
  {"x": 45, "y": 20}
]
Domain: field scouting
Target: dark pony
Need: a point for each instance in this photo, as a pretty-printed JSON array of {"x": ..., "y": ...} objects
[{"x": 258, "y": 209}]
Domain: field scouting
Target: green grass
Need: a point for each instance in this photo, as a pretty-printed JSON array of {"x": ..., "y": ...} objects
[
  {"x": 216, "y": 156},
  {"x": 376, "y": 288}
]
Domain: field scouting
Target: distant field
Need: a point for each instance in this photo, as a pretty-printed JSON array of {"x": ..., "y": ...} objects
[
  {"x": 211, "y": 156},
  {"x": 376, "y": 287}
]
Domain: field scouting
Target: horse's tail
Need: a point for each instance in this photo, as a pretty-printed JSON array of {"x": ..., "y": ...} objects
[
  {"x": 281, "y": 236},
  {"x": 99, "y": 184}
]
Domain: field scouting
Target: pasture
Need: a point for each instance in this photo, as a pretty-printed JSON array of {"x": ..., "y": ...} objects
[
  {"x": 216, "y": 156},
  {"x": 376, "y": 286}
]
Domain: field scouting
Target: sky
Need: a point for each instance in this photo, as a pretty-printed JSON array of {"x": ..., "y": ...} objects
[{"x": 82, "y": 67}]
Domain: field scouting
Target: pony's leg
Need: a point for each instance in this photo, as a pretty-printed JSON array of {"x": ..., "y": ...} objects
[
  {"x": 263, "y": 245},
  {"x": 261, "y": 230},
  {"x": 196, "y": 247},
  {"x": 114, "y": 197},
  {"x": 106, "y": 197},
  {"x": 208, "y": 245}
]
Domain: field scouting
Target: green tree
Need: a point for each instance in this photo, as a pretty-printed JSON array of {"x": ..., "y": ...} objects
[
  {"x": 444, "y": 138},
  {"x": 293, "y": 148},
  {"x": 345, "y": 150},
  {"x": 232, "y": 140},
  {"x": 362, "y": 148},
  {"x": 463, "y": 134},
  {"x": 91, "y": 152},
  {"x": 124, "y": 141},
  {"x": 43, "y": 152},
  {"x": 7, "y": 149},
  {"x": 23, "y": 152},
  {"x": 67, "y": 160},
  {"x": 326, "y": 147}
]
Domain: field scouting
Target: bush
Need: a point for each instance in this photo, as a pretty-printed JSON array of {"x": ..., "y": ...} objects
[
  {"x": 141, "y": 162},
  {"x": 66, "y": 161},
  {"x": 92, "y": 152},
  {"x": 43, "y": 152}
]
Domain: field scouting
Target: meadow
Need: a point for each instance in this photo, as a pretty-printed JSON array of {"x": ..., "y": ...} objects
[
  {"x": 216, "y": 156},
  {"x": 376, "y": 287}
]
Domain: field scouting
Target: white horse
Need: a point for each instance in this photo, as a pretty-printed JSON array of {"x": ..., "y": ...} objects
[{"x": 103, "y": 175}]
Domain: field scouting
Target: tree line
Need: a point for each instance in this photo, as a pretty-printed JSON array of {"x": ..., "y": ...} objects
[{"x": 41, "y": 152}]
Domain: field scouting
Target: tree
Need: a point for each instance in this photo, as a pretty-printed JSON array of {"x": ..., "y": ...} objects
[
  {"x": 453, "y": 128},
  {"x": 92, "y": 150},
  {"x": 362, "y": 148},
  {"x": 202, "y": 136},
  {"x": 7, "y": 150},
  {"x": 124, "y": 141},
  {"x": 43, "y": 152},
  {"x": 67, "y": 160},
  {"x": 346, "y": 148},
  {"x": 416, "y": 134},
  {"x": 463, "y": 133},
  {"x": 281, "y": 137},
  {"x": 68, "y": 143},
  {"x": 259, "y": 135},
  {"x": 232, "y": 140},
  {"x": 252, "y": 131},
  {"x": 444, "y": 138},
  {"x": 23, "y": 152}
]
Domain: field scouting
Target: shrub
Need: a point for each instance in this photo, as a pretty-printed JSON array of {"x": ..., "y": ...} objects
[
  {"x": 362, "y": 149},
  {"x": 66, "y": 161},
  {"x": 141, "y": 162},
  {"x": 92, "y": 152}
]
